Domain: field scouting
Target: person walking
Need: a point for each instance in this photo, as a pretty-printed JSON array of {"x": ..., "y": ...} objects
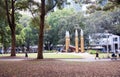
[
  {"x": 24, "y": 50},
  {"x": 97, "y": 55}
]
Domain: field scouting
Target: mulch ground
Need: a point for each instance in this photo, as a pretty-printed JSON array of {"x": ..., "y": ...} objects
[{"x": 55, "y": 68}]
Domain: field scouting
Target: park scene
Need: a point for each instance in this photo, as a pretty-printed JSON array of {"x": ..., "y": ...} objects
[{"x": 59, "y": 38}]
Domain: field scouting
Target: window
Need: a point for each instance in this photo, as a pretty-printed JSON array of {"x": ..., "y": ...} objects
[
  {"x": 105, "y": 36},
  {"x": 115, "y": 39}
]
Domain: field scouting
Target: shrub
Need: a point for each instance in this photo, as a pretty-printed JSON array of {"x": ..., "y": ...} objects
[
  {"x": 51, "y": 51},
  {"x": 92, "y": 51}
]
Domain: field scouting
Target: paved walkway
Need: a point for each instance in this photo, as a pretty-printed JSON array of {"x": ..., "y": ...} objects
[
  {"x": 86, "y": 58},
  {"x": 84, "y": 55},
  {"x": 8, "y": 58},
  {"x": 12, "y": 59}
]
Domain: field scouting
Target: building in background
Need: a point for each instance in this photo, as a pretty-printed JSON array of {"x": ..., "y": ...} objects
[{"x": 105, "y": 42}]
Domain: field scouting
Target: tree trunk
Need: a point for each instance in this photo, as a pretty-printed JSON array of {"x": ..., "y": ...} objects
[
  {"x": 13, "y": 43},
  {"x": 41, "y": 32},
  {"x": 13, "y": 30},
  {"x": 11, "y": 22}
]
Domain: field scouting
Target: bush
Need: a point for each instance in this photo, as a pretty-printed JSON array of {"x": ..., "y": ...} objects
[
  {"x": 47, "y": 51},
  {"x": 92, "y": 51}
]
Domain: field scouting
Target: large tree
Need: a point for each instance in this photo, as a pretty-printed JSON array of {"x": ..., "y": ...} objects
[
  {"x": 10, "y": 12},
  {"x": 41, "y": 32}
]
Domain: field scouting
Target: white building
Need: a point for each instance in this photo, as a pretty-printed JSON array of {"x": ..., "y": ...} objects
[{"x": 109, "y": 42}]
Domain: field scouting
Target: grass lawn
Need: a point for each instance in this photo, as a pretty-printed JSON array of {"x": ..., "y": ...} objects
[
  {"x": 104, "y": 55},
  {"x": 48, "y": 55}
]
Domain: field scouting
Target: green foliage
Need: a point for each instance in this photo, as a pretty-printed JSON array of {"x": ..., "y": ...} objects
[
  {"x": 55, "y": 19},
  {"x": 22, "y": 4},
  {"x": 2, "y": 10},
  {"x": 35, "y": 22},
  {"x": 50, "y": 51},
  {"x": 61, "y": 21},
  {"x": 28, "y": 35},
  {"x": 19, "y": 37},
  {"x": 0, "y": 43},
  {"x": 101, "y": 21},
  {"x": 24, "y": 20},
  {"x": 70, "y": 23},
  {"x": 92, "y": 51},
  {"x": 103, "y": 5},
  {"x": 17, "y": 17},
  {"x": 4, "y": 33}
]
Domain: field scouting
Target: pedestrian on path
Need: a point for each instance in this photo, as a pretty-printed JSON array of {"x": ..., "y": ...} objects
[
  {"x": 25, "y": 50},
  {"x": 26, "y": 54},
  {"x": 97, "y": 55}
]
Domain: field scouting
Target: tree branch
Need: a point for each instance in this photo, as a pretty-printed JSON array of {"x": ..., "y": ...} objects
[
  {"x": 35, "y": 20},
  {"x": 49, "y": 9}
]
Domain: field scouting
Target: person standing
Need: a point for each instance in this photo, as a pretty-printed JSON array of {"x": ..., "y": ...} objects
[
  {"x": 25, "y": 50},
  {"x": 97, "y": 55}
]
